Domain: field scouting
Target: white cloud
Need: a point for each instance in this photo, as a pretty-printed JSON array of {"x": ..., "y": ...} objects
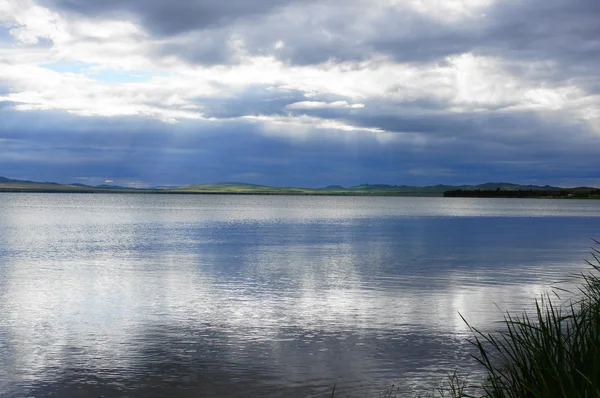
[
  {"x": 447, "y": 10},
  {"x": 466, "y": 83},
  {"x": 325, "y": 105},
  {"x": 30, "y": 22},
  {"x": 304, "y": 128}
]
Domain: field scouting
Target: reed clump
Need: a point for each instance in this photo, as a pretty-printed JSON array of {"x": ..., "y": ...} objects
[{"x": 553, "y": 352}]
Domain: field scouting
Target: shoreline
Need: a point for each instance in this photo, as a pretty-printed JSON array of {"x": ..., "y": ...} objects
[
  {"x": 165, "y": 192},
  {"x": 346, "y": 194}
]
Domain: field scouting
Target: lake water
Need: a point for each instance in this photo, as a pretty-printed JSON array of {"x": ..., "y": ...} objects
[{"x": 216, "y": 295}]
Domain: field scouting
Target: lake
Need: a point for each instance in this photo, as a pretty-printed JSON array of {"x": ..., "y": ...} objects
[{"x": 218, "y": 295}]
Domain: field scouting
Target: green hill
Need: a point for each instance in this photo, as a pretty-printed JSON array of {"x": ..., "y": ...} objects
[
  {"x": 238, "y": 188},
  {"x": 363, "y": 189},
  {"x": 490, "y": 189},
  {"x": 10, "y": 185}
]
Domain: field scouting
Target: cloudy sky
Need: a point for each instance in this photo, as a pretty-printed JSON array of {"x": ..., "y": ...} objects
[{"x": 300, "y": 92}]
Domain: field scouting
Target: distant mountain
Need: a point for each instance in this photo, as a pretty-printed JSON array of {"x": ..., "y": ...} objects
[
  {"x": 506, "y": 186},
  {"x": 4, "y": 180},
  {"x": 162, "y": 187},
  {"x": 441, "y": 187},
  {"x": 241, "y": 188},
  {"x": 102, "y": 186},
  {"x": 371, "y": 187},
  {"x": 223, "y": 186},
  {"x": 363, "y": 189},
  {"x": 244, "y": 184},
  {"x": 105, "y": 186},
  {"x": 9, "y": 181},
  {"x": 10, "y": 185},
  {"x": 7, "y": 184}
]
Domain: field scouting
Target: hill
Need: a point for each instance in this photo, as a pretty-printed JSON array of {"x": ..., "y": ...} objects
[
  {"x": 240, "y": 188},
  {"x": 10, "y": 185},
  {"x": 363, "y": 189},
  {"x": 491, "y": 189}
]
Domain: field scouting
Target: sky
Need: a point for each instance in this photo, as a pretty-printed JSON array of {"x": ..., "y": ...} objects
[{"x": 300, "y": 92}]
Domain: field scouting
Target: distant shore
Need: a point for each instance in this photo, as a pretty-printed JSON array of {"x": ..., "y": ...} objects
[
  {"x": 448, "y": 194},
  {"x": 486, "y": 190},
  {"x": 567, "y": 193},
  {"x": 183, "y": 192}
]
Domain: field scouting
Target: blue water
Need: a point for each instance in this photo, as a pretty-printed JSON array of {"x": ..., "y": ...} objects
[{"x": 167, "y": 295}]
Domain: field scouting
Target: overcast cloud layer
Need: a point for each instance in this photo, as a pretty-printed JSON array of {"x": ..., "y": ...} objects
[{"x": 300, "y": 92}]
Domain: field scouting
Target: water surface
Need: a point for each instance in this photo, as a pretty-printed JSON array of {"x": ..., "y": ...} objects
[{"x": 165, "y": 295}]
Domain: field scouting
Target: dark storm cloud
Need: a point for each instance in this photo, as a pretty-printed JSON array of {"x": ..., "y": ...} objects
[
  {"x": 213, "y": 47},
  {"x": 542, "y": 44},
  {"x": 563, "y": 32},
  {"x": 6, "y": 104},
  {"x": 339, "y": 33},
  {"x": 253, "y": 100},
  {"x": 61, "y": 147},
  {"x": 173, "y": 16},
  {"x": 432, "y": 119},
  {"x": 537, "y": 27}
]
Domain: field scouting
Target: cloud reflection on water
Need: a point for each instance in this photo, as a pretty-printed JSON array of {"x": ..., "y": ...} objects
[{"x": 292, "y": 296}]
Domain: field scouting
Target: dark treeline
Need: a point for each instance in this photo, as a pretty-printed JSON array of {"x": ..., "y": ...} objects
[{"x": 579, "y": 193}]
